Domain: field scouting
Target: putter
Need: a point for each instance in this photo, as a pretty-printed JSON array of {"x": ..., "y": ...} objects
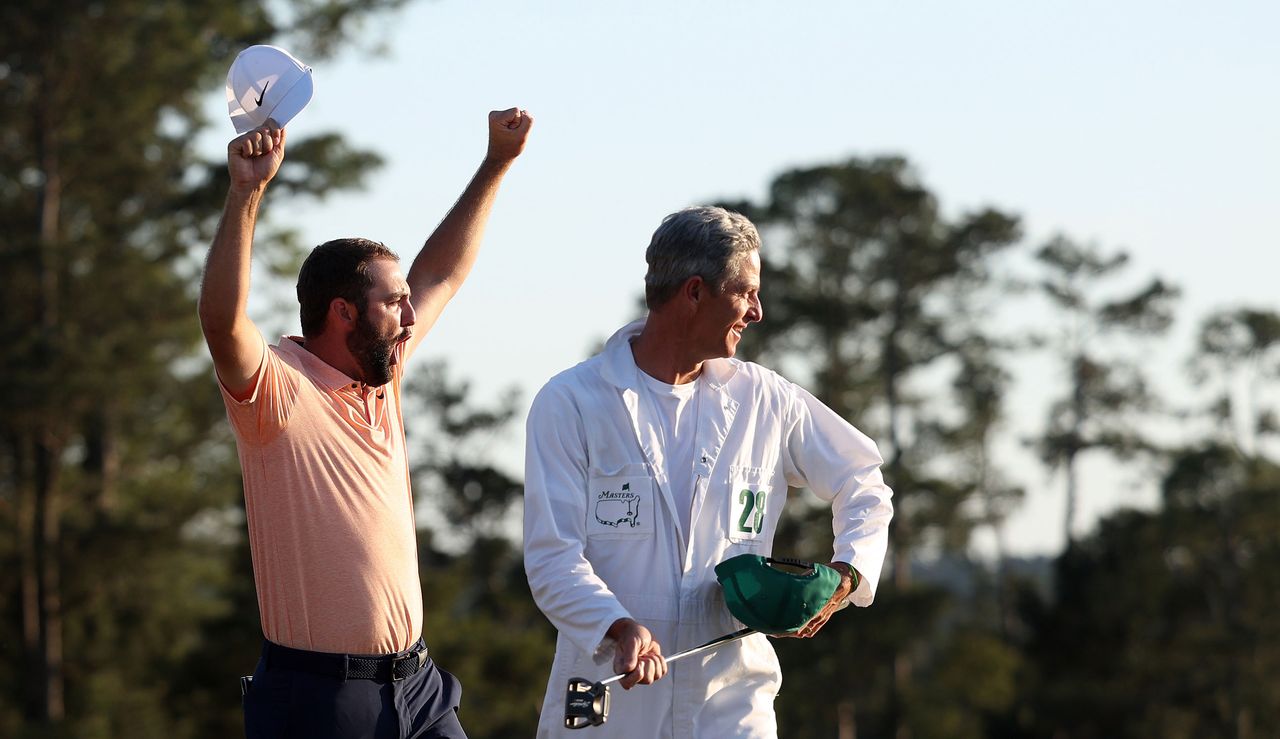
[{"x": 587, "y": 703}]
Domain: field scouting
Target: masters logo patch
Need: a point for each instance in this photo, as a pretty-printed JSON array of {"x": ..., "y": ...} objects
[
  {"x": 618, "y": 508},
  {"x": 620, "y": 505}
]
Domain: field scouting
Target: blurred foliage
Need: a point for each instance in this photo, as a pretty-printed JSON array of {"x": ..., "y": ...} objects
[
  {"x": 1107, "y": 393},
  {"x": 1238, "y": 358},
  {"x": 128, "y": 603},
  {"x": 1163, "y": 623},
  {"x": 481, "y": 621},
  {"x": 871, "y": 293}
]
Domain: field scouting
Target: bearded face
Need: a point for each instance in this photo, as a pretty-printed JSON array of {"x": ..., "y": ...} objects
[{"x": 373, "y": 351}]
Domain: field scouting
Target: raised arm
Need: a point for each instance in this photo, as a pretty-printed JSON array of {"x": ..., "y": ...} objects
[
  {"x": 449, "y": 253},
  {"x": 235, "y": 343}
]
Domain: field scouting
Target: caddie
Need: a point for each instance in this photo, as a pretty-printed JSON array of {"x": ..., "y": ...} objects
[{"x": 663, "y": 456}]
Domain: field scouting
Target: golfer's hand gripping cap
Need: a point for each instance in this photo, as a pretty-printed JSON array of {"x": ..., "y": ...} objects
[
  {"x": 773, "y": 600},
  {"x": 266, "y": 82}
]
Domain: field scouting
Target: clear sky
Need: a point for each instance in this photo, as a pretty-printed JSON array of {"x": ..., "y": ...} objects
[{"x": 1145, "y": 126}]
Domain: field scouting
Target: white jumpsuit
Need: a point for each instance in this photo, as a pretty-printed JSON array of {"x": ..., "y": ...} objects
[{"x": 602, "y": 540}]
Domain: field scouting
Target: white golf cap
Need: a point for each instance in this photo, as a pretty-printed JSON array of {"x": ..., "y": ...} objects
[{"x": 266, "y": 82}]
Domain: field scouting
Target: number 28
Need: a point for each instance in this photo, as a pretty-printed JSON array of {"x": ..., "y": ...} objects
[{"x": 752, "y": 519}]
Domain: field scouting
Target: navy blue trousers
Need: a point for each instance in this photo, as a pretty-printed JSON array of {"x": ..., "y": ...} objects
[{"x": 291, "y": 703}]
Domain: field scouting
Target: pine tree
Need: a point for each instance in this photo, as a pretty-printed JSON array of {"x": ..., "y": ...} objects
[
  {"x": 862, "y": 281},
  {"x": 1105, "y": 391},
  {"x": 111, "y": 484}
]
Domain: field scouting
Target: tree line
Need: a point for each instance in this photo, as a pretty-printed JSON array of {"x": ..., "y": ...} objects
[
  {"x": 1151, "y": 625},
  {"x": 127, "y": 600}
]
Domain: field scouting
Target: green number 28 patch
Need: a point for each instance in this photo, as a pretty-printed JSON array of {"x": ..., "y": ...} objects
[{"x": 751, "y": 521}]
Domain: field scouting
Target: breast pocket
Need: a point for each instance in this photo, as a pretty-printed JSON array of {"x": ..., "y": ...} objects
[
  {"x": 620, "y": 504},
  {"x": 753, "y": 505}
]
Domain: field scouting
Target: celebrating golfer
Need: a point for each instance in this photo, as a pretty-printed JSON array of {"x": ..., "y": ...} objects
[
  {"x": 663, "y": 456},
  {"x": 318, "y": 425}
]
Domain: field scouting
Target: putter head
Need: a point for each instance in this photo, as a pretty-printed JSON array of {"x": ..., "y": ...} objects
[{"x": 585, "y": 704}]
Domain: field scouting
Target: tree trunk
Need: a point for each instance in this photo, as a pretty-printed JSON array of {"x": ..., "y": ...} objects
[
  {"x": 900, "y": 533},
  {"x": 36, "y": 468},
  {"x": 1069, "y": 516},
  {"x": 49, "y": 513},
  {"x": 29, "y": 567},
  {"x": 846, "y": 723},
  {"x": 1078, "y": 411},
  {"x": 995, "y": 519},
  {"x": 48, "y": 445},
  {"x": 102, "y": 458}
]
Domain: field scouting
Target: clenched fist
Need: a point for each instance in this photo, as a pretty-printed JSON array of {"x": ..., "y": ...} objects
[
  {"x": 254, "y": 158},
  {"x": 508, "y": 131},
  {"x": 636, "y": 654}
]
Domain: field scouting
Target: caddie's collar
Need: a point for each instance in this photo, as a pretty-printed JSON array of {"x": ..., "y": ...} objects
[{"x": 619, "y": 364}]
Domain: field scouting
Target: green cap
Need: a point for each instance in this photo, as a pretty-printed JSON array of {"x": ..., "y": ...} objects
[{"x": 773, "y": 600}]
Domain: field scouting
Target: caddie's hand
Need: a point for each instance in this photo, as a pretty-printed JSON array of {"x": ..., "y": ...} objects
[
  {"x": 508, "y": 131},
  {"x": 253, "y": 158},
  {"x": 636, "y": 654},
  {"x": 849, "y": 579}
]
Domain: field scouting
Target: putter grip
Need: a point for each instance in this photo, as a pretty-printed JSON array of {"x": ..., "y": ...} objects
[
  {"x": 587, "y": 704},
  {"x": 718, "y": 641}
]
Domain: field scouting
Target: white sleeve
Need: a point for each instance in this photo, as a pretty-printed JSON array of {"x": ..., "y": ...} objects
[
  {"x": 564, "y": 584},
  {"x": 841, "y": 465}
]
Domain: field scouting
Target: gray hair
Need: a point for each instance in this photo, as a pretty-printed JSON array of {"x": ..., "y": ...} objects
[{"x": 706, "y": 242}]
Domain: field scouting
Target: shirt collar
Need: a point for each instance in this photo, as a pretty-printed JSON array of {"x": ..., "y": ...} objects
[
  {"x": 321, "y": 372},
  {"x": 620, "y": 364}
]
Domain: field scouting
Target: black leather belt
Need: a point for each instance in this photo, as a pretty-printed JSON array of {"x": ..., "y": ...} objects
[{"x": 380, "y": 668}]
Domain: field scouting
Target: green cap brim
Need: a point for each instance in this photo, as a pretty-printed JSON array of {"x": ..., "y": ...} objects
[{"x": 772, "y": 600}]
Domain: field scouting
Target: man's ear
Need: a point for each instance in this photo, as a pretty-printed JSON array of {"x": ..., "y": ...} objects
[
  {"x": 343, "y": 312},
  {"x": 693, "y": 291}
]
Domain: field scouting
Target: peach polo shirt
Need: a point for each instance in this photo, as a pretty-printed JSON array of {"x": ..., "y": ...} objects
[{"x": 329, "y": 505}]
